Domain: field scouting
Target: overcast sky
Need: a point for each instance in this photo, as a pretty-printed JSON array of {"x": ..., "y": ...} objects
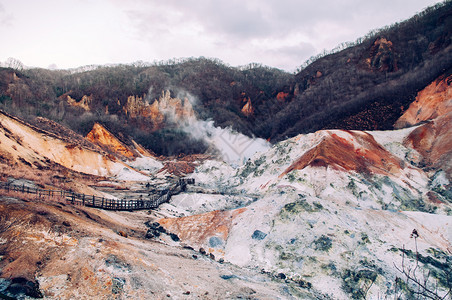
[{"x": 279, "y": 33}]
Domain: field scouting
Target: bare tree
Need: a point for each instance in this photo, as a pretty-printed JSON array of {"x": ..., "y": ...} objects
[
  {"x": 14, "y": 63},
  {"x": 418, "y": 281}
]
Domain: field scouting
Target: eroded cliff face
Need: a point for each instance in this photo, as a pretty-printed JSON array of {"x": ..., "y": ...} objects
[
  {"x": 434, "y": 142},
  {"x": 101, "y": 136},
  {"x": 84, "y": 103},
  {"x": 349, "y": 151},
  {"x": 381, "y": 56},
  {"x": 326, "y": 204},
  {"x": 433, "y": 101},
  {"x": 164, "y": 109},
  {"x": 22, "y": 143},
  {"x": 209, "y": 230},
  {"x": 248, "y": 109}
]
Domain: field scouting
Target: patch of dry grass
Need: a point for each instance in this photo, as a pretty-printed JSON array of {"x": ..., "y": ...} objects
[
  {"x": 54, "y": 177},
  {"x": 31, "y": 196}
]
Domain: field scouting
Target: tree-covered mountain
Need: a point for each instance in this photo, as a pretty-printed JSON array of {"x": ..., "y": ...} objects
[{"x": 366, "y": 85}]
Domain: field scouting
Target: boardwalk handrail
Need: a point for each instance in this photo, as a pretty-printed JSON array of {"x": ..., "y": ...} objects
[{"x": 153, "y": 201}]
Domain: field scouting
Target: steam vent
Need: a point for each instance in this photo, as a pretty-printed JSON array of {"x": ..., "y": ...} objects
[{"x": 193, "y": 178}]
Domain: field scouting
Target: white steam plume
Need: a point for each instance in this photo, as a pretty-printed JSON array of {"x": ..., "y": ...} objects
[{"x": 234, "y": 147}]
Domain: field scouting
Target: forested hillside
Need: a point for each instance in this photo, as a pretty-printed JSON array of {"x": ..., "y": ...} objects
[
  {"x": 367, "y": 86},
  {"x": 363, "y": 85}
]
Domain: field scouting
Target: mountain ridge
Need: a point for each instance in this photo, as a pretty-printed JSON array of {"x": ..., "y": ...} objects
[
  {"x": 333, "y": 213},
  {"x": 364, "y": 86}
]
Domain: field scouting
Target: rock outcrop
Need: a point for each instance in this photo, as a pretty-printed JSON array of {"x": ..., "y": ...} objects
[
  {"x": 433, "y": 141},
  {"x": 433, "y": 101},
  {"x": 22, "y": 143},
  {"x": 349, "y": 151},
  {"x": 381, "y": 56},
  {"x": 209, "y": 230},
  {"x": 101, "y": 136},
  {"x": 164, "y": 109},
  {"x": 248, "y": 109},
  {"x": 84, "y": 103}
]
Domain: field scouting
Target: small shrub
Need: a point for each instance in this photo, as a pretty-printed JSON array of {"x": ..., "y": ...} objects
[
  {"x": 365, "y": 238},
  {"x": 358, "y": 283},
  {"x": 323, "y": 243}
]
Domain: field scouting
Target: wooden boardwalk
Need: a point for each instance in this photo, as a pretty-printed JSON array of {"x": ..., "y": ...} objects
[{"x": 150, "y": 202}]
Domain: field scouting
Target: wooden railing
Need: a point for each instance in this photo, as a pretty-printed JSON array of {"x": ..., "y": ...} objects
[{"x": 150, "y": 202}]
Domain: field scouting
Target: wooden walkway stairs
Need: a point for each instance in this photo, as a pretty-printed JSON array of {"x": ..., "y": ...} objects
[{"x": 151, "y": 202}]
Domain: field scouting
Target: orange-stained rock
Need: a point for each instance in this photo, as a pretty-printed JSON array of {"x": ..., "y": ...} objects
[
  {"x": 174, "y": 109},
  {"x": 84, "y": 103},
  {"x": 22, "y": 143},
  {"x": 197, "y": 229},
  {"x": 282, "y": 96},
  {"x": 248, "y": 109},
  {"x": 179, "y": 168},
  {"x": 434, "y": 142},
  {"x": 134, "y": 106},
  {"x": 381, "y": 56},
  {"x": 433, "y": 101},
  {"x": 102, "y": 137},
  {"x": 143, "y": 151},
  {"x": 352, "y": 151}
]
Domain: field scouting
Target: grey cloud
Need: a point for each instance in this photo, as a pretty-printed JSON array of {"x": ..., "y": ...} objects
[
  {"x": 237, "y": 19},
  {"x": 230, "y": 23},
  {"x": 299, "y": 51},
  {"x": 233, "y": 19},
  {"x": 244, "y": 20},
  {"x": 5, "y": 17},
  {"x": 289, "y": 57}
]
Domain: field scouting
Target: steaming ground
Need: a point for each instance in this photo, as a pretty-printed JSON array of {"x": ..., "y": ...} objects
[
  {"x": 332, "y": 232},
  {"x": 234, "y": 148},
  {"x": 325, "y": 215}
]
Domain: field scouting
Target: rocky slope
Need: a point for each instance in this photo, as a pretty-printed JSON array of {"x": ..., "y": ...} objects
[
  {"x": 332, "y": 211},
  {"x": 322, "y": 215},
  {"x": 432, "y": 102},
  {"x": 328, "y": 207},
  {"x": 101, "y": 136},
  {"x": 362, "y": 85},
  {"x": 432, "y": 140},
  {"x": 51, "y": 249},
  {"x": 332, "y": 214},
  {"x": 179, "y": 110},
  {"x": 61, "y": 252},
  {"x": 25, "y": 145}
]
